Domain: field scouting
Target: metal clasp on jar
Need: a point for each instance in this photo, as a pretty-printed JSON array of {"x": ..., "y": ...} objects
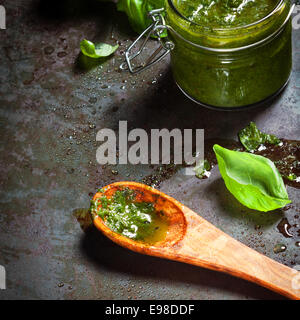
[{"x": 157, "y": 27}]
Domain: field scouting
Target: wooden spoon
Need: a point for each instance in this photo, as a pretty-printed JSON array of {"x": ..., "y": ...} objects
[{"x": 193, "y": 240}]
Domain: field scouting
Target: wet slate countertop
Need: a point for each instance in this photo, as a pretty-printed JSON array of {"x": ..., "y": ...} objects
[{"x": 52, "y": 103}]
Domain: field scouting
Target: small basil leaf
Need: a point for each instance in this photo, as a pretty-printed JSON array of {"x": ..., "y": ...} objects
[
  {"x": 98, "y": 50},
  {"x": 251, "y": 137},
  {"x": 253, "y": 180}
]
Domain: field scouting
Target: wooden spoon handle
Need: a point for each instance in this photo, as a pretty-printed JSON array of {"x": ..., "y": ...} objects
[
  {"x": 206, "y": 246},
  {"x": 193, "y": 240}
]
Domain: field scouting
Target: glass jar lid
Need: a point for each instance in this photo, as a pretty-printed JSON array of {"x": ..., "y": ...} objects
[
  {"x": 225, "y": 14},
  {"x": 210, "y": 29}
]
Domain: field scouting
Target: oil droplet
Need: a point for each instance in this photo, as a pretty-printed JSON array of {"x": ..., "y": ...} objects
[
  {"x": 279, "y": 248},
  {"x": 297, "y": 244},
  {"x": 115, "y": 172}
]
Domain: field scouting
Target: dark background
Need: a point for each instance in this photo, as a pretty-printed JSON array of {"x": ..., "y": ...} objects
[{"x": 52, "y": 103}]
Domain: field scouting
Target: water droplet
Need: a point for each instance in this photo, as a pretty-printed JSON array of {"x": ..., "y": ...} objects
[
  {"x": 69, "y": 151},
  {"x": 60, "y": 285},
  {"x": 297, "y": 244},
  {"x": 123, "y": 66},
  {"x": 283, "y": 227},
  {"x": 48, "y": 50},
  {"x": 279, "y": 248},
  {"x": 122, "y": 87},
  {"x": 115, "y": 172},
  {"x": 61, "y": 54},
  {"x": 92, "y": 126},
  {"x": 92, "y": 100}
]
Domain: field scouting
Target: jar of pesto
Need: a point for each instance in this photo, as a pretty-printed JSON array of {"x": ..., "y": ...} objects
[{"x": 225, "y": 54}]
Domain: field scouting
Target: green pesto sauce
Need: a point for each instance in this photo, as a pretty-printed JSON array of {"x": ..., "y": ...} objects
[
  {"x": 233, "y": 79},
  {"x": 225, "y": 13},
  {"x": 135, "y": 220}
]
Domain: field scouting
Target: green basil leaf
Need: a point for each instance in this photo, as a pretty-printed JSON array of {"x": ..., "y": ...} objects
[
  {"x": 252, "y": 179},
  {"x": 98, "y": 50},
  {"x": 137, "y": 12},
  {"x": 251, "y": 137}
]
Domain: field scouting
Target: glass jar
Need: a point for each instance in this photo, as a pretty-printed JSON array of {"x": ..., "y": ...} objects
[{"x": 233, "y": 67}]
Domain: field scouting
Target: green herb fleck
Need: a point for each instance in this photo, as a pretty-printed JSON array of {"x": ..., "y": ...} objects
[
  {"x": 251, "y": 137},
  {"x": 202, "y": 169},
  {"x": 291, "y": 177}
]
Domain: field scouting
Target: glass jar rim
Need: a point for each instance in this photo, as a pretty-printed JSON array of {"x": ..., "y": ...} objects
[{"x": 252, "y": 24}]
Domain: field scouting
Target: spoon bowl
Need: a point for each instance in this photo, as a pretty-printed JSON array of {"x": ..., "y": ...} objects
[
  {"x": 171, "y": 210},
  {"x": 193, "y": 240}
]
